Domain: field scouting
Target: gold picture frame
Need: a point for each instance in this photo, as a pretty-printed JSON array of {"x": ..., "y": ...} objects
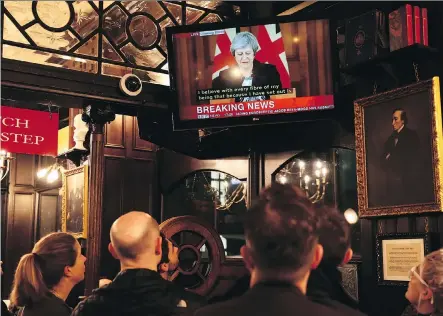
[
  {"x": 405, "y": 175},
  {"x": 75, "y": 202}
]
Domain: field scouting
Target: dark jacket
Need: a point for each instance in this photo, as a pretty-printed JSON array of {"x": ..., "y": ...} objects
[
  {"x": 51, "y": 305},
  {"x": 404, "y": 169},
  {"x": 262, "y": 75},
  {"x": 133, "y": 292},
  {"x": 325, "y": 287},
  {"x": 5, "y": 310},
  {"x": 267, "y": 299},
  {"x": 411, "y": 311}
]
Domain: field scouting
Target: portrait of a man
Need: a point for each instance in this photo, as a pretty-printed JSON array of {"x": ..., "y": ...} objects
[
  {"x": 247, "y": 71},
  {"x": 400, "y": 157}
]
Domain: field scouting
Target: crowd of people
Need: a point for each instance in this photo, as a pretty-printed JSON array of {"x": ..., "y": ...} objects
[{"x": 293, "y": 250}]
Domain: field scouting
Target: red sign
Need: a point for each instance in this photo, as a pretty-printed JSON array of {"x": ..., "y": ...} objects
[
  {"x": 28, "y": 132},
  {"x": 253, "y": 108}
]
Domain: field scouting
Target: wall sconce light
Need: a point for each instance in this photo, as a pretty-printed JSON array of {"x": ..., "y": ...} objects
[
  {"x": 5, "y": 163},
  {"x": 52, "y": 173}
]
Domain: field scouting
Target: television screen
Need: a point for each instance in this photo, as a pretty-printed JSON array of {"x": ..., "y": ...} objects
[{"x": 226, "y": 76}]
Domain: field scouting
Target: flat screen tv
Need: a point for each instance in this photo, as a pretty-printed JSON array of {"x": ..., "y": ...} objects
[{"x": 232, "y": 74}]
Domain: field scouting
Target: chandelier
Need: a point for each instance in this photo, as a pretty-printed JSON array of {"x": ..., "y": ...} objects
[
  {"x": 218, "y": 187},
  {"x": 311, "y": 175},
  {"x": 5, "y": 162}
]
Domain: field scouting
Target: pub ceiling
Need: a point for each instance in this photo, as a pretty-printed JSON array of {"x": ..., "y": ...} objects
[{"x": 108, "y": 38}]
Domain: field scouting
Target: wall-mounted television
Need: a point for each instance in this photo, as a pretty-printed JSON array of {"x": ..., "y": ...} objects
[{"x": 232, "y": 74}]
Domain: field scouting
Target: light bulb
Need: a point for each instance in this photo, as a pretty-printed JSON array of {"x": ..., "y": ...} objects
[
  {"x": 318, "y": 164},
  {"x": 324, "y": 171},
  {"x": 2, "y": 153},
  {"x": 52, "y": 176},
  {"x": 351, "y": 216},
  {"x": 301, "y": 164},
  {"x": 307, "y": 178},
  {"x": 283, "y": 179},
  {"x": 317, "y": 173},
  {"x": 43, "y": 172}
]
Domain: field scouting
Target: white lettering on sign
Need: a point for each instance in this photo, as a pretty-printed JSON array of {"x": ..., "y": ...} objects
[{"x": 18, "y": 137}]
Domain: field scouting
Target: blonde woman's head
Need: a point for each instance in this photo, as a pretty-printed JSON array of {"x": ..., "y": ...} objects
[{"x": 425, "y": 290}]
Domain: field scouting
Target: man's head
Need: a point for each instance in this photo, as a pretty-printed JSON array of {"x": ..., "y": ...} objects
[
  {"x": 136, "y": 241},
  {"x": 399, "y": 119},
  {"x": 281, "y": 235},
  {"x": 169, "y": 259},
  {"x": 334, "y": 236}
]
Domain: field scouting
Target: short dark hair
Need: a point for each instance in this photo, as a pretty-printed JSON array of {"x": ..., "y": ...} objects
[
  {"x": 165, "y": 249},
  {"x": 334, "y": 236},
  {"x": 281, "y": 229},
  {"x": 403, "y": 115}
]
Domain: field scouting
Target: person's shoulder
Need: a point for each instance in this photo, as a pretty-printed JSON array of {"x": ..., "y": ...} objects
[
  {"x": 89, "y": 305},
  {"x": 222, "y": 308}
]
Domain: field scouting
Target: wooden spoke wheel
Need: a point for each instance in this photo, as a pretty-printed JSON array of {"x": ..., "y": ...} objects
[{"x": 200, "y": 251}]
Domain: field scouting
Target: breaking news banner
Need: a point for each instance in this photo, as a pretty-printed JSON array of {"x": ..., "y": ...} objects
[{"x": 264, "y": 107}]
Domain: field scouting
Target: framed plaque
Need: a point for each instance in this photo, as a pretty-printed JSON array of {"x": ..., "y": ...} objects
[{"x": 397, "y": 254}]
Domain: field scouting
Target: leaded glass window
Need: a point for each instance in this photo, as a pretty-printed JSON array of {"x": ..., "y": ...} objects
[{"x": 110, "y": 38}]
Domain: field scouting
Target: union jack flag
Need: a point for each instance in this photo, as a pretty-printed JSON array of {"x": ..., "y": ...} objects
[{"x": 271, "y": 51}]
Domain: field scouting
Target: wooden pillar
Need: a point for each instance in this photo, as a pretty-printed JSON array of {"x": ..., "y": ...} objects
[
  {"x": 96, "y": 117},
  {"x": 256, "y": 175}
]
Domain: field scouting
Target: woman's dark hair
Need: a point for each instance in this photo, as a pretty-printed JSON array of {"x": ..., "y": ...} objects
[{"x": 39, "y": 271}]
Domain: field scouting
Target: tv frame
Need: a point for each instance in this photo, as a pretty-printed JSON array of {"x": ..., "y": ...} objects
[{"x": 179, "y": 124}]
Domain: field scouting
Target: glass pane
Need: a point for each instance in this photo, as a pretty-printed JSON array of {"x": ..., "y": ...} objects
[
  {"x": 90, "y": 48},
  {"x": 11, "y": 33},
  {"x": 56, "y": 40},
  {"x": 192, "y": 15},
  {"x": 20, "y": 10},
  {"x": 109, "y": 51},
  {"x": 144, "y": 75},
  {"x": 176, "y": 11},
  {"x": 211, "y": 18},
  {"x": 114, "y": 22},
  {"x": 49, "y": 59},
  {"x": 205, "y": 4},
  {"x": 163, "y": 25},
  {"x": 151, "y": 7},
  {"x": 107, "y": 4},
  {"x": 54, "y": 13},
  {"x": 148, "y": 58},
  {"x": 86, "y": 18},
  {"x": 143, "y": 31}
]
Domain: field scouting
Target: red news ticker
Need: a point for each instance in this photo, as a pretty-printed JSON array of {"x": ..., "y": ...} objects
[{"x": 265, "y": 107}]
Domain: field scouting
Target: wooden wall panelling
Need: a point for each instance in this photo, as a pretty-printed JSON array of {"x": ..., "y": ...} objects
[
  {"x": 130, "y": 180},
  {"x": 115, "y": 137},
  {"x": 112, "y": 209},
  {"x": 20, "y": 224}
]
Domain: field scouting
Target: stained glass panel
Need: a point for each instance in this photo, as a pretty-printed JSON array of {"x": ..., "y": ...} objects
[
  {"x": 49, "y": 59},
  {"x": 86, "y": 18},
  {"x": 66, "y": 34}
]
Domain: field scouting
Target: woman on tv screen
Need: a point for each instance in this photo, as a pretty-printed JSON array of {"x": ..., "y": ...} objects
[{"x": 247, "y": 71}]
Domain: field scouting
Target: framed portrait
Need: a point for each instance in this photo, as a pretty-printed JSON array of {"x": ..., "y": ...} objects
[
  {"x": 75, "y": 202},
  {"x": 398, "y": 137},
  {"x": 398, "y": 253}
]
